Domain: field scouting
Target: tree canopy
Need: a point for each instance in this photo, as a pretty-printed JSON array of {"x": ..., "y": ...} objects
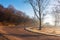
[{"x": 11, "y": 15}]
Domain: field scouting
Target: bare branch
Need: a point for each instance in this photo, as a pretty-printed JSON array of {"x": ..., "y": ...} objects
[{"x": 30, "y": 1}]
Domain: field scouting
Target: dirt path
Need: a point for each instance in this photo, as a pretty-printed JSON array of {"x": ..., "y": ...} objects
[{"x": 21, "y": 34}]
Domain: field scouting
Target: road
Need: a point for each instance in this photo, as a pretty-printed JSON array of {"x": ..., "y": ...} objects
[{"x": 16, "y": 33}]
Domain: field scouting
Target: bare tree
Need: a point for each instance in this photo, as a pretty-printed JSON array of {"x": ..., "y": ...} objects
[
  {"x": 56, "y": 13},
  {"x": 38, "y": 7}
]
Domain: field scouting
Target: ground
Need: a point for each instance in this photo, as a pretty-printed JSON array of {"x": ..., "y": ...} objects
[
  {"x": 45, "y": 30},
  {"x": 19, "y": 33}
]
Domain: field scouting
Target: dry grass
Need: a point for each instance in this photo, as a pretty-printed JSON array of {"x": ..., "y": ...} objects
[{"x": 45, "y": 30}]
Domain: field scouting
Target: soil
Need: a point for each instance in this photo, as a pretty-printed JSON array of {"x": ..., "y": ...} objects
[{"x": 18, "y": 33}]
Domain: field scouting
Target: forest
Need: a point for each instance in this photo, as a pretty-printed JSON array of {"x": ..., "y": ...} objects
[{"x": 10, "y": 15}]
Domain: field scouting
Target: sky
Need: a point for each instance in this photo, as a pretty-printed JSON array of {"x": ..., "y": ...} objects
[
  {"x": 19, "y": 5},
  {"x": 26, "y": 7},
  {"x": 49, "y": 18}
]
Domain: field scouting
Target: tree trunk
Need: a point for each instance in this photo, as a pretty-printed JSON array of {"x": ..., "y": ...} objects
[
  {"x": 39, "y": 5},
  {"x": 40, "y": 24}
]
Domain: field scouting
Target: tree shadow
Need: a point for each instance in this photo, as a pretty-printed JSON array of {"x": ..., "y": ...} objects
[
  {"x": 2, "y": 37},
  {"x": 23, "y": 35}
]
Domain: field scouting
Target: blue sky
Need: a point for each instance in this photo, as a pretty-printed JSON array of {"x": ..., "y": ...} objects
[
  {"x": 19, "y": 5},
  {"x": 26, "y": 7}
]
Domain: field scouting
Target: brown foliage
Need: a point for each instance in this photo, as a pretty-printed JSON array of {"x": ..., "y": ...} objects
[{"x": 10, "y": 15}]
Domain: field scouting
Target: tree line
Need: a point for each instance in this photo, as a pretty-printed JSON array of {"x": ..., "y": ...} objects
[{"x": 11, "y": 15}]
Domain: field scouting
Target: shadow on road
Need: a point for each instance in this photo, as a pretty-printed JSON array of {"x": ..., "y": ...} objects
[
  {"x": 2, "y": 37},
  {"x": 23, "y": 35}
]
